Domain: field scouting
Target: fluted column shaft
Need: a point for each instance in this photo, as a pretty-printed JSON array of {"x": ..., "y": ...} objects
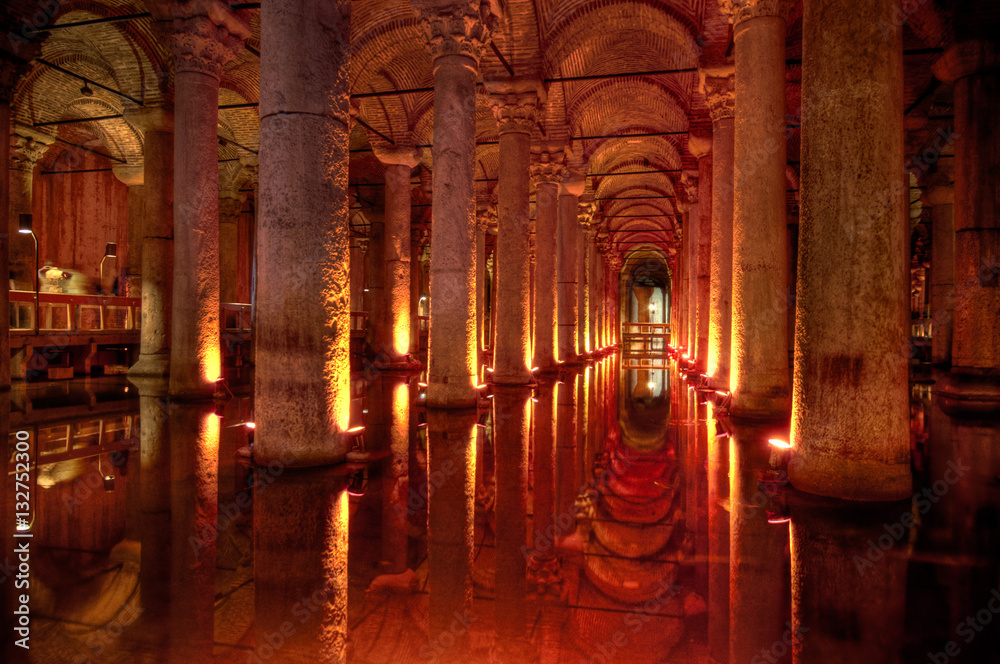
[
  {"x": 201, "y": 48},
  {"x": 759, "y": 370},
  {"x": 851, "y": 402},
  {"x": 303, "y": 284}
]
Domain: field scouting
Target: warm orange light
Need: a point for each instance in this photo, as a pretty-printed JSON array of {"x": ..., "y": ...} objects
[
  {"x": 251, "y": 425},
  {"x": 777, "y": 442},
  {"x": 355, "y": 429}
]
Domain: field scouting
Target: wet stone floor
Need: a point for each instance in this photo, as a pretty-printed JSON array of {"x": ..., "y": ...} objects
[{"x": 595, "y": 518}]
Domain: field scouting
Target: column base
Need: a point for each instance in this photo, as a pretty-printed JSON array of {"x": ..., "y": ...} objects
[
  {"x": 194, "y": 393},
  {"x": 304, "y": 458},
  {"x": 757, "y": 407},
  {"x": 155, "y": 365},
  {"x": 970, "y": 393},
  {"x": 452, "y": 395},
  {"x": 399, "y": 364},
  {"x": 850, "y": 479}
]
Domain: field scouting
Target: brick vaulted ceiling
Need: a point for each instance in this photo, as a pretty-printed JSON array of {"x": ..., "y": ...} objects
[{"x": 615, "y": 43}]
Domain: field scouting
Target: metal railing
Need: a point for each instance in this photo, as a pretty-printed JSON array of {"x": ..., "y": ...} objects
[
  {"x": 645, "y": 339},
  {"x": 236, "y": 317},
  {"x": 59, "y": 312}
]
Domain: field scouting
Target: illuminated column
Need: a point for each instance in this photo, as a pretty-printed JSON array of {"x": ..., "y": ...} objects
[
  {"x": 511, "y": 421},
  {"x": 456, "y": 35},
  {"x": 482, "y": 224},
  {"x": 300, "y": 562},
  {"x": 201, "y": 48},
  {"x": 974, "y": 384},
  {"x": 583, "y": 277},
  {"x": 718, "y": 88},
  {"x": 418, "y": 238},
  {"x": 131, "y": 175},
  {"x": 600, "y": 297},
  {"x": 592, "y": 291},
  {"x": 941, "y": 199},
  {"x": 303, "y": 305},
  {"x": 546, "y": 171},
  {"x": 701, "y": 148},
  {"x": 157, "y": 126},
  {"x": 27, "y": 147},
  {"x": 683, "y": 287},
  {"x": 396, "y": 254},
  {"x": 614, "y": 293},
  {"x": 515, "y": 108},
  {"x": 451, "y": 442},
  {"x": 568, "y": 264},
  {"x": 230, "y": 204},
  {"x": 850, "y": 415},
  {"x": 759, "y": 361},
  {"x": 9, "y": 74}
]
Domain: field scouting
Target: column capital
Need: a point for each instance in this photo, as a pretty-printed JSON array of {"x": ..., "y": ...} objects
[
  {"x": 403, "y": 153},
  {"x": 131, "y": 175},
  {"x": 200, "y": 44},
  {"x": 718, "y": 86},
  {"x": 27, "y": 146},
  {"x": 546, "y": 168},
  {"x": 151, "y": 118},
  {"x": 939, "y": 195},
  {"x": 516, "y": 102},
  {"x": 744, "y": 10},
  {"x": 699, "y": 145},
  {"x": 250, "y": 167},
  {"x": 455, "y": 27},
  {"x": 689, "y": 180},
  {"x": 572, "y": 183},
  {"x": 230, "y": 206},
  {"x": 965, "y": 59}
]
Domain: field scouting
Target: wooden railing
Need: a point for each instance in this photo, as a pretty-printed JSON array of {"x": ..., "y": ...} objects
[
  {"x": 58, "y": 312},
  {"x": 645, "y": 339}
]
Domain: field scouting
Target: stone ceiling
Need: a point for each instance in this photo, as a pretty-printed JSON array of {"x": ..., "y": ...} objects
[{"x": 554, "y": 40}]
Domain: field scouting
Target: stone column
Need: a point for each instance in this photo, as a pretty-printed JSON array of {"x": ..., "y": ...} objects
[
  {"x": 303, "y": 304},
  {"x": 230, "y": 206},
  {"x": 568, "y": 265},
  {"x": 718, "y": 88},
  {"x": 599, "y": 295},
  {"x": 583, "y": 278},
  {"x": 201, "y": 48},
  {"x": 132, "y": 176},
  {"x": 516, "y": 105},
  {"x": 974, "y": 68},
  {"x": 683, "y": 288},
  {"x": 417, "y": 241},
  {"x": 27, "y": 147},
  {"x": 157, "y": 126},
  {"x": 759, "y": 369},
  {"x": 456, "y": 35},
  {"x": 941, "y": 200},
  {"x": 396, "y": 251},
  {"x": 482, "y": 224},
  {"x": 10, "y": 72},
  {"x": 850, "y": 420},
  {"x": 546, "y": 171},
  {"x": 701, "y": 147},
  {"x": 614, "y": 292},
  {"x": 593, "y": 303}
]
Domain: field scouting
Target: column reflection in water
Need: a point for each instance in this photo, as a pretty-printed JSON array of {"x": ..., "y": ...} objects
[
  {"x": 194, "y": 462},
  {"x": 451, "y": 471},
  {"x": 300, "y": 564},
  {"x": 566, "y": 452},
  {"x": 843, "y": 612},
  {"x": 510, "y": 435},
  {"x": 543, "y": 566},
  {"x": 758, "y": 590},
  {"x": 718, "y": 543},
  {"x": 395, "y": 524}
]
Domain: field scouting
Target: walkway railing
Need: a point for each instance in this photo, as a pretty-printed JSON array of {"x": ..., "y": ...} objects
[
  {"x": 645, "y": 339},
  {"x": 236, "y": 316},
  {"x": 58, "y": 312}
]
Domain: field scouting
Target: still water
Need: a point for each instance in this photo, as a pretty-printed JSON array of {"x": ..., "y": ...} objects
[{"x": 595, "y": 518}]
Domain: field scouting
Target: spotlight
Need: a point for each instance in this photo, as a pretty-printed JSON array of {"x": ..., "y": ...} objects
[
  {"x": 24, "y": 223},
  {"x": 251, "y": 425},
  {"x": 781, "y": 444}
]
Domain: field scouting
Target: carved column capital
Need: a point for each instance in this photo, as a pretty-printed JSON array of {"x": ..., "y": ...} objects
[
  {"x": 546, "y": 168},
  {"x": 27, "y": 146},
  {"x": 744, "y": 10},
  {"x": 965, "y": 59},
  {"x": 516, "y": 103},
  {"x": 404, "y": 153},
  {"x": 718, "y": 86},
  {"x": 456, "y": 28},
  {"x": 131, "y": 175},
  {"x": 230, "y": 206},
  {"x": 689, "y": 180},
  {"x": 200, "y": 45},
  {"x": 250, "y": 167}
]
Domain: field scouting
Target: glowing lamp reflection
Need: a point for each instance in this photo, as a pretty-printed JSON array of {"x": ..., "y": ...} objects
[{"x": 777, "y": 442}]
